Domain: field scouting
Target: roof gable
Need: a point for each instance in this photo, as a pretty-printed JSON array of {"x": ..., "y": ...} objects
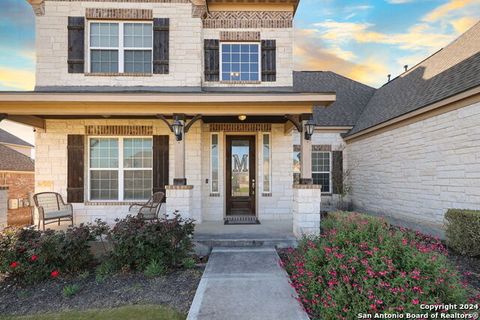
[
  {"x": 8, "y": 138},
  {"x": 11, "y": 160}
]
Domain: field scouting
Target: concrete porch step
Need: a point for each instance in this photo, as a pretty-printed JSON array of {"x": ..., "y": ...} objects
[{"x": 204, "y": 247}]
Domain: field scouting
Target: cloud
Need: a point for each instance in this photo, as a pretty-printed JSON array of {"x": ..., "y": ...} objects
[
  {"x": 399, "y": 1},
  {"x": 16, "y": 79},
  {"x": 463, "y": 24},
  {"x": 446, "y": 9}
]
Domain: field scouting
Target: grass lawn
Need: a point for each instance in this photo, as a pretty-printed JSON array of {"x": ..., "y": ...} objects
[{"x": 138, "y": 312}]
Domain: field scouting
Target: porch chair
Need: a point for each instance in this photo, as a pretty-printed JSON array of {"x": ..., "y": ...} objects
[
  {"x": 52, "y": 208},
  {"x": 150, "y": 209}
]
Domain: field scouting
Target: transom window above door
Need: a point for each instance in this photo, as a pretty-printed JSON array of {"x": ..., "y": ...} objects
[
  {"x": 240, "y": 61},
  {"x": 121, "y": 47}
]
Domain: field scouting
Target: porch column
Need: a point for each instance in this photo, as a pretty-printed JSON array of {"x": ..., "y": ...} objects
[
  {"x": 179, "y": 149},
  {"x": 305, "y": 157}
]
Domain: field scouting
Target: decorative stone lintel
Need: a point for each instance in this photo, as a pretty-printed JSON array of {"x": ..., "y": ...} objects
[
  {"x": 307, "y": 186},
  {"x": 3, "y": 187},
  {"x": 117, "y": 74},
  {"x": 178, "y": 187},
  {"x": 239, "y": 36},
  {"x": 38, "y": 7},
  {"x": 116, "y": 14}
]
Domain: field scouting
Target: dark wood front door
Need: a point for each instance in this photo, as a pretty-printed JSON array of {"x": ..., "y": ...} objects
[{"x": 240, "y": 166}]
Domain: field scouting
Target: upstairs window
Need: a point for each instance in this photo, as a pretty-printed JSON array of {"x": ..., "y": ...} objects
[
  {"x": 240, "y": 61},
  {"x": 121, "y": 47}
]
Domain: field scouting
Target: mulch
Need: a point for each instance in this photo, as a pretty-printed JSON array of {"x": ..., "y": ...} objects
[
  {"x": 175, "y": 290},
  {"x": 469, "y": 267}
]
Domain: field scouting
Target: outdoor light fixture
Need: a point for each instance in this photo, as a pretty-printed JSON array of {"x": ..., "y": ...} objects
[
  {"x": 309, "y": 128},
  {"x": 177, "y": 127},
  {"x": 242, "y": 117}
]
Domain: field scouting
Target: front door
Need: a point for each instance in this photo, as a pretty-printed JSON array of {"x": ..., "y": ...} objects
[{"x": 240, "y": 158}]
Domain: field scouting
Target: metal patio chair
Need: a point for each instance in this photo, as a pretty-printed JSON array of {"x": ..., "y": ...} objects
[
  {"x": 52, "y": 208},
  {"x": 150, "y": 209}
]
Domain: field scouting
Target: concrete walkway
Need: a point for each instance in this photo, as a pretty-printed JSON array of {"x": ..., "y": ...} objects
[{"x": 245, "y": 283}]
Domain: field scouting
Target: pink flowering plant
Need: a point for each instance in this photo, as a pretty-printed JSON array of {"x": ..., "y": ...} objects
[{"x": 360, "y": 264}]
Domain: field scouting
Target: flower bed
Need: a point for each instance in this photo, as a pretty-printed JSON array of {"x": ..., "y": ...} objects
[{"x": 360, "y": 264}]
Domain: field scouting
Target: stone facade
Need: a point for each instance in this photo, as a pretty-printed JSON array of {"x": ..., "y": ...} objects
[
  {"x": 417, "y": 172},
  {"x": 3, "y": 206},
  {"x": 180, "y": 200},
  {"x": 186, "y": 43},
  {"x": 306, "y": 210}
]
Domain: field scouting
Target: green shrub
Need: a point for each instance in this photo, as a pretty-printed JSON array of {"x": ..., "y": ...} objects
[
  {"x": 104, "y": 270},
  {"x": 463, "y": 231},
  {"x": 360, "y": 264},
  {"x": 154, "y": 269},
  {"x": 136, "y": 242},
  {"x": 71, "y": 290},
  {"x": 30, "y": 256},
  {"x": 189, "y": 263}
]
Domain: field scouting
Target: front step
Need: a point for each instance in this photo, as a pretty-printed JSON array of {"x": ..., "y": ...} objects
[{"x": 204, "y": 247}]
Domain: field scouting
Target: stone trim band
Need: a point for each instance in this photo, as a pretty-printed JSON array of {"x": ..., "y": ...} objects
[
  {"x": 119, "y": 130},
  {"x": 240, "y": 127},
  {"x": 248, "y": 19},
  {"x": 118, "y": 14},
  {"x": 315, "y": 147},
  {"x": 239, "y": 36}
]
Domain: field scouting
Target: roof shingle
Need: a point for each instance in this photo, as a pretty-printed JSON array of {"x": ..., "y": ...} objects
[
  {"x": 11, "y": 160},
  {"x": 6, "y": 137}
]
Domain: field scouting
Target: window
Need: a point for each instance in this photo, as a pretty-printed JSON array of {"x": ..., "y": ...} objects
[
  {"x": 214, "y": 163},
  {"x": 321, "y": 169},
  {"x": 120, "y": 168},
  {"x": 121, "y": 47},
  {"x": 266, "y": 164},
  {"x": 240, "y": 61}
]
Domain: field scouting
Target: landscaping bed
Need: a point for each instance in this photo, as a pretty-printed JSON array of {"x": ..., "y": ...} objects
[
  {"x": 175, "y": 289},
  {"x": 363, "y": 265}
]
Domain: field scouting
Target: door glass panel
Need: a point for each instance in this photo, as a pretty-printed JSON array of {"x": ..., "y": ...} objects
[{"x": 240, "y": 168}]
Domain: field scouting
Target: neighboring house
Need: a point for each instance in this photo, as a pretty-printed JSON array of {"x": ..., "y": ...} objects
[
  {"x": 15, "y": 143},
  {"x": 198, "y": 98},
  {"x": 17, "y": 176}
]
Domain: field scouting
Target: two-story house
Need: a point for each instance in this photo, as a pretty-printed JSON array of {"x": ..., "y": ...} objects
[{"x": 198, "y": 99}]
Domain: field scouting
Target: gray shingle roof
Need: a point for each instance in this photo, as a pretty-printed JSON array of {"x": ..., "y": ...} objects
[
  {"x": 12, "y": 160},
  {"x": 6, "y": 137},
  {"x": 352, "y": 96},
  {"x": 450, "y": 71}
]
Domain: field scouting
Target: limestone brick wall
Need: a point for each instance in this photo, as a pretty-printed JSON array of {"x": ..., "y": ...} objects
[
  {"x": 284, "y": 53},
  {"x": 306, "y": 210},
  {"x": 180, "y": 200},
  {"x": 3, "y": 206},
  {"x": 416, "y": 172},
  {"x": 51, "y": 164},
  {"x": 51, "y": 46}
]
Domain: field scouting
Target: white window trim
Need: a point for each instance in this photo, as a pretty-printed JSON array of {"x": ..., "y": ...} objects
[
  {"x": 120, "y": 168},
  {"x": 329, "y": 172},
  {"x": 121, "y": 49},
  {"x": 259, "y": 59},
  {"x": 270, "y": 162},
  {"x": 211, "y": 162}
]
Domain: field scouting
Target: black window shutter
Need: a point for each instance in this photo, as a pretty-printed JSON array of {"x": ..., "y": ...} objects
[
  {"x": 269, "y": 60},
  {"x": 76, "y": 45},
  {"x": 160, "y": 163},
  {"x": 75, "y": 171},
  {"x": 337, "y": 172},
  {"x": 212, "y": 59},
  {"x": 161, "y": 34}
]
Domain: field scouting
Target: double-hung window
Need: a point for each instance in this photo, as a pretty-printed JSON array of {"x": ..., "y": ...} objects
[
  {"x": 120, "y": 169},
  {"x": 121, "y": 47},
  {"x": 240, "y": 61},
  {"x": 321, "y": 169}
]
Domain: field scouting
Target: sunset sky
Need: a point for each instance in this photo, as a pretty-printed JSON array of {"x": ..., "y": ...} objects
[{"x": 363, "y": 40}]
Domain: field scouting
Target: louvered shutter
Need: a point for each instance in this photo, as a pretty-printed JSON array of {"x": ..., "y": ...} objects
[
  {"x": 212, "y": 60},
  {"x": 161, "y": 34},
  {"x": 75, "y": 168},
  {"x": 160, "y": 163},
  {"x": 337, "y": 172},
  {"x": 76, "y": 45},
  {"x": 269, "y": 60}
]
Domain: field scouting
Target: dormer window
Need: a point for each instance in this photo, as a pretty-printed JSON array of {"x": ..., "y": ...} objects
[
  {"x": 121, "y": 47},
  {"x": 240, "y": 61}
]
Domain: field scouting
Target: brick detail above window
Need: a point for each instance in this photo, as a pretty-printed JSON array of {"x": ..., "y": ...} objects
[
  {"x": 239, "y": 36},
  {"x": 119, "y": 130},
  {"x": 240, "y": 127},
  {"x": 248, "y": 19},
  {"x": 118, "y": 14},
  {"x": 315, "y": 147}
]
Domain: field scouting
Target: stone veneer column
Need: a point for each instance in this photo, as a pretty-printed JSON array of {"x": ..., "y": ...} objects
[
  {"x": 3, "y": 206},
  {"x": 306, "y": 210},
  {"x": 180, "y": 198}
]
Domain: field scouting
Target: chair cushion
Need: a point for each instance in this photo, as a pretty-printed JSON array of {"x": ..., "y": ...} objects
[{"x": 57, "y": 214}]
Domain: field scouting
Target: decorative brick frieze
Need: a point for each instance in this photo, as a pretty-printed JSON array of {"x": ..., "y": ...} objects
[
  {"x": 119, "y": 130},
  {"x": 111, "y": 203},
  {"x": 315, "y": 147},
  {"x": 132, "y": 1},
  {"x": 239, "y": 36},
  {"x": 248, "y": 19},
  {"x": 240, "y": 127},
  {"x": 178, "y": 187},
  {"x": 215, "y": 195},
  {"x": 307, "y": 186},
  {"x": 118, "y": 14},
  {"x": 231, "y": 82},
  {"x": 116, "y": 74}
]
